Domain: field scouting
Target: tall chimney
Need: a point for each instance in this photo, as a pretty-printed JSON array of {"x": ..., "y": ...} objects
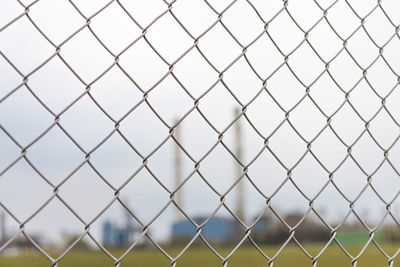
[
  {"x": 240, "y": 211},
  {"x": 178, "y": 173},
  {"x": 3, "y": 233}
]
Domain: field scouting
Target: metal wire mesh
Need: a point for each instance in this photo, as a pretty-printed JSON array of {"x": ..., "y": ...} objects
[{"x": 243, "y": 46}]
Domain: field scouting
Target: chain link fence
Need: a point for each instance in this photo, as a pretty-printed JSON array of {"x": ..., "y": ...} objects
[{"x": 315, "y": 85}]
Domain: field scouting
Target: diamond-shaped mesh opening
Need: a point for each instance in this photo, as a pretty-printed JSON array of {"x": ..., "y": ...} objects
[
  {"x": 232, "y": 81},
  {"x": 45, "y": 156},
  {"x": 23, "y": 202},
  {"x": 190, "y": 127},
  {"x": 119, "y": 169},
  {"x": 50, "y": 17},
  {"x": 349, "y": 174},
  {"x": 23, "y": 127},
  {"x": 142, "y": 139},
  {"x": 266, "y": 173},
  {"x": 307, "y": 119},
  {"x": 143, "y": 65},
  {"x": 360, "y": 152},
  {"x": 266, "y": 62},
  {"x": 330, "y": 206},
  {"x": 92, "y": 127},
  {"x": 198, "y": 80},
  {"x": 309, "y": 183},
  {"x": 219, "y": 178},
  {"x": 106, "y": 93},
  {"x": 348, "y": 24},
  {"x": 136, "y": 192},
  {"x": 386, "y": 183},
  {"x": 152, "y": 133},
  {"x": 97, "y": 193},
  {"x": 56, "y": 85},
  {"x": 273, "y": 114},
  {"x": 92, "y": 52},
  {"x": 306, "y": 65},
  {"x": 285, "y": 136},
  {"x": 227, "y": 50},
  {"x": 284, "y": 33},
  {"x": 289, "y": 95},
  {"x": 377, "y": 128},
  {"x": 105, "y": 26},
  {"x": 166, "y": 93},
  {"x": 300, "y": 203},
  {"x": 327, "y": 141},
  {"x": 381, "y": 36},
  {"x": 243, "y": 33},
  {"x": 362, "y": 49},
  {"x": 323, "y": 38},
  {"x": 218, "y": 116},
  {"x": 381, "y": 78},
  {"x": 253, "y": 145},
  {"x": 52, "y": 241},
  {"x": 327, "y": 94},
  {"x": 34, "y": 48},
  {"x": 349, "y": 75},
  {"x": 168, "y": 38},
  {"x": 347, "y": 125}
]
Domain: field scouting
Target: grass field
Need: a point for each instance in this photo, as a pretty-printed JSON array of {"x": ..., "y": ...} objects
[{"x": 199, "y": 257}]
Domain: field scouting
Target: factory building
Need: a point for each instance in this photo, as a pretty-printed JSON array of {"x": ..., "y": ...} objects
[
  {"x": 115, "y": 235},
  {"x": 218, "y": 229}
]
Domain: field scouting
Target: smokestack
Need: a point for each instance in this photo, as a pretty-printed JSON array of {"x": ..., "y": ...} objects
[
  {"x": 178, "y": 173},
  {"x": 3, "y": 237},
  {"x": 129, "y": 223},
  {"x": 240, "y": 212}
]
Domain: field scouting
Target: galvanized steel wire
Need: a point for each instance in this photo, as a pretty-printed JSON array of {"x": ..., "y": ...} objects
[{"x": 263, "y": 82}]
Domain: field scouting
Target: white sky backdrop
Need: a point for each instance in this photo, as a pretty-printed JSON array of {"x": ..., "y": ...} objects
[{"x": 23, "y": 191}]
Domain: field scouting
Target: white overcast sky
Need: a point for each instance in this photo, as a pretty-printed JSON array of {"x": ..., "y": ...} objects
[{"x": 22, "y": 191}]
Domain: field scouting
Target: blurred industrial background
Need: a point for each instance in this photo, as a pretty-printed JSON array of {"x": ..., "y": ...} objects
[{"x": 170, "y": 125}]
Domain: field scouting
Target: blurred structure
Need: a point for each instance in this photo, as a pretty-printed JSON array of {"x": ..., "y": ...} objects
[
  {"x": 356, "y": 237},
  {"x": 70, "y": 237},
  {"x": 262, "y": 225},
  {"x": 240, "y": 210},
  {"x": 391, "y": 233},
  {"x": 276, "y": 232},
  {"x": 178, "y": 173},
  {"x": 21, "y": 245},
  {"x": 218, "y": 229},
  {"x": 114, "y": 235},
  {"x": 3, "y": 229}
]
